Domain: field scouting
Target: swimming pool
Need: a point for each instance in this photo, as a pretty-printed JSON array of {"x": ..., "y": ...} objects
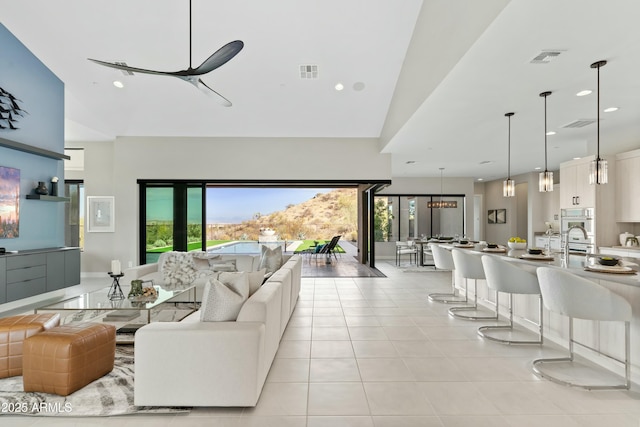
[{"x": 245, "y": 247}]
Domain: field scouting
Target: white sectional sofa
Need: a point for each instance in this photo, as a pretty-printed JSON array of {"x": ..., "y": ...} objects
[{"x": 195, "y": 363}]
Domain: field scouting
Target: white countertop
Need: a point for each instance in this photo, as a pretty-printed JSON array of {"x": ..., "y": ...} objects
[{"x": 576, "y": 265}]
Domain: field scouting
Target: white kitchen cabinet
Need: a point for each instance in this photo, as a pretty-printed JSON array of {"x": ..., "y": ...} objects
[
  {"x": 543, "y": 241},
  {"x": 618, "y": 251},
  {"x": 628, "y": 186},
  {"x": 575, "y": 189}
]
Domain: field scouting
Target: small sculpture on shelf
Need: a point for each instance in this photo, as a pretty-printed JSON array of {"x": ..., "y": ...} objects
[
  {"x": 41, "y": 189},
  {"x": 54, "y": 186}
]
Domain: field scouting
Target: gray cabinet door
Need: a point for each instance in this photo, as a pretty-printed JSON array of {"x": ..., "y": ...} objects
[
  {"x": 55, "y": 271},
  {"x": 3, "y": 280},
  {"x": 71, "y": 267},
  {"x": 25, "y": 289}
]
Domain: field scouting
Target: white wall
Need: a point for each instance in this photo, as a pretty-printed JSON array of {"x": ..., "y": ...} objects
[
  {"x": 540, "y": 207},
  {"x": 113, "y": 168}
]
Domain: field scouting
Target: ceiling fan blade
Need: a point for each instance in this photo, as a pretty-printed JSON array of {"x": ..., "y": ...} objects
[
  {"x": 127, "y": 68},
  {"x": 219, "y": 57},
  {"x": 202, "y": 87}
]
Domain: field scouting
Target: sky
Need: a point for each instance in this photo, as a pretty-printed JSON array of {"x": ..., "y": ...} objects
[{"x": 229, "y": 205}]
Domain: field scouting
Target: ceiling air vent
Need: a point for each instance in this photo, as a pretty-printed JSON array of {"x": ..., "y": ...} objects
[
  {"x": 580, "y": 123},
  {"x": 125, "y": 72},
  {"x": 546, "y": 56},
  {"x": 308, "y": 71}
]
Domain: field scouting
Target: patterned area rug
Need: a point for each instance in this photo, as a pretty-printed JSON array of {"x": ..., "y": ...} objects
[{"x": 107, "y": 396}]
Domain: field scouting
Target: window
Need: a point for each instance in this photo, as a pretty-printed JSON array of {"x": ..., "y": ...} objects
[
  {"x": 400, "y": 218},
  {"x": 74, "y": 214}
]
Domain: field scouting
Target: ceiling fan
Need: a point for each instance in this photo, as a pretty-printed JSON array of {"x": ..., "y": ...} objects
[{"x": 191, "y": 75}]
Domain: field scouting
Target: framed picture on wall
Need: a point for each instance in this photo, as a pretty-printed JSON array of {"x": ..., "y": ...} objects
[
  {"x": 100, "y": 214},
  {"x": 491, "y": 216},
  {"x": 501, "y": 216}
]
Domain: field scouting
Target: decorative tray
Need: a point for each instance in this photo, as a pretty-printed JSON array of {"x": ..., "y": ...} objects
[
  {"x": 614, "y": 269},
  {"x": 460, "y": 245},
  {"x": 540, "y": 257},
  {"x": 497, "y": 250},
  {"x": 140, "y": 298}
]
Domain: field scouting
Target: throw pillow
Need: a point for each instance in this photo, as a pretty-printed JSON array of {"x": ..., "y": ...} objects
[
  {"x": 229, "y": 265},
  {"x": 178, "y": 269},
  {"x": 270, "y": 259},
  {"x": 202, "y": 259},
  {"x": 255, "y": 280},
  {"x": 223, "y": 297},
  {"x": 319, "y": 248}
]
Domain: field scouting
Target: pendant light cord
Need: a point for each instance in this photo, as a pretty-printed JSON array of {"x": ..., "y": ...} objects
[
  {"x": 509, "y": 147},
  {"x": 598, "y": 119},
  {"x": 545, "y": 133},
  {"x": 190, "y": 46},
  {"x": 441, "y": 187}
]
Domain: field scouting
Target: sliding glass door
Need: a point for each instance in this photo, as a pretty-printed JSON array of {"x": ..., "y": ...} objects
[{"x": 172, "y": 219}]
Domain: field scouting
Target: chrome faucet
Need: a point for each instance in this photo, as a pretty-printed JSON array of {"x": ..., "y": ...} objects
[{"x": 566, "y": 240}]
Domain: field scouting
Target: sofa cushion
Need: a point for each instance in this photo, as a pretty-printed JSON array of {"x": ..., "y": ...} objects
[
  {"x": 223, "y": 265},
  {"x": 223, "y": 297},
  {"x": 243, "y": 262},
  {"x": 270, "y": 259},
  {"x": 178, "y": 269}
]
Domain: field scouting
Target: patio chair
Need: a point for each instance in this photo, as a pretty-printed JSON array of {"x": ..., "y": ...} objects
[{"x": 329, "y": 248}]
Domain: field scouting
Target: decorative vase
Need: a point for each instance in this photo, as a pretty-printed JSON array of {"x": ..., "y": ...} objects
[
  {"x": 136, "y": 288},
  {"x": 54, "y": 188},
  {"x": 41, "y": 188}
]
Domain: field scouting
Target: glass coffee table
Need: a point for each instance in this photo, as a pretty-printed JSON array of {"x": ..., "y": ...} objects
[{"x": 127, "y": 314}]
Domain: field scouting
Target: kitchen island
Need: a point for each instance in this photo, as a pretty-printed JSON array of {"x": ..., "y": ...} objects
[{"x": 607, "y": 337}]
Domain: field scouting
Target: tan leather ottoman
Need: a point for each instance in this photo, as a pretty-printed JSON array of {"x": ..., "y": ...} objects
[
  {"x": 65, "y": 359},
  {"x": 13, "y": 331}
]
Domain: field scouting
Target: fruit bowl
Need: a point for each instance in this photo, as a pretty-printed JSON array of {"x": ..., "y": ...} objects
[
  {"x": 608, "y": 261},
  {"x": 517, "y": 245}
]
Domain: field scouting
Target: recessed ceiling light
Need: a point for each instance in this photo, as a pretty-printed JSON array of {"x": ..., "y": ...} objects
[
  {"x": 480, "y": 179},
  {"x": 584, "y": 92},
  {"x": 577, "y": 158},
  {"x": 485, "y": 162},
  {"x": 537, "y": 168},
  {"x": 410, "y": 162},
  {"x": 358, "y": 86},
  {"x": 339, "y": 86},
  {"x": 550, "y": 133},
  {"x": 610, "y": 109},
  {"x": 118, "y": 84}
]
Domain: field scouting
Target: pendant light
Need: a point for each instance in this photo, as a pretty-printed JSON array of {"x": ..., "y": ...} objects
[
  {"x": 545, "y": 180},
  {"x": 441, "y": 203},
  {"x": 509, "y": 185},
  {"x": 598, "y": 173}
]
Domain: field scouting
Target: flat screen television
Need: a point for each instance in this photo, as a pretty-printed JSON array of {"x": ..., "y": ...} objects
[{"x": 9, "y": 202}]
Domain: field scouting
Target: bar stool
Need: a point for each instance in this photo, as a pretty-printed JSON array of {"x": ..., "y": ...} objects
[
  {"x": 576, "y": 297},
  {"x": 443, "y": 260},
  {"x": 503, "y": 276},
  {"x": 470, "y": 267}
]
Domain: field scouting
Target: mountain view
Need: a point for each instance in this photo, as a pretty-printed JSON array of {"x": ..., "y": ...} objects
[{"x": 321, "y": 217}]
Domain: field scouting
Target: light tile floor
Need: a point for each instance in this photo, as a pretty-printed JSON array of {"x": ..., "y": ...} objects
[{"x": 374, "y": 352}]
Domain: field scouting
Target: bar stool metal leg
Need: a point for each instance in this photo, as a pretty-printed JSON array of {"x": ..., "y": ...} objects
[
  {"x": 538, "y": 364},
  {"x": 455, "y": 311},
  {"x": 484, "y": 331},
  {"x": 449, "y": 298}
]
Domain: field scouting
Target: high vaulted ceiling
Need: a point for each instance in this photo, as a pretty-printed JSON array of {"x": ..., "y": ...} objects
[{"x": 432, "y": 79}]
